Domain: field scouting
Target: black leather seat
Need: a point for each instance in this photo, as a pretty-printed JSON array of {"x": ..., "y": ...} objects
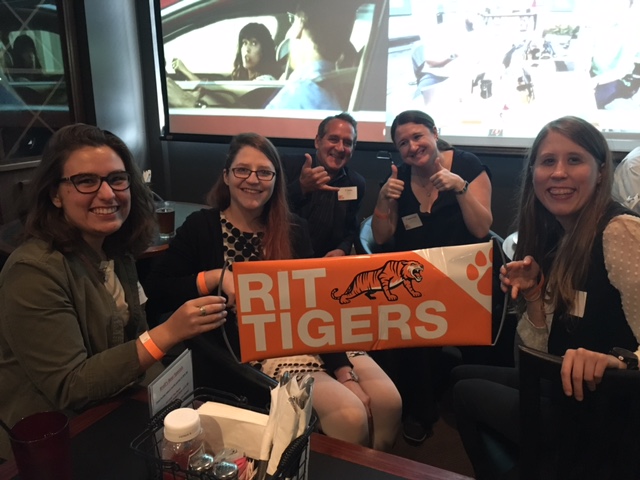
[{"x": 561, "y": 438}]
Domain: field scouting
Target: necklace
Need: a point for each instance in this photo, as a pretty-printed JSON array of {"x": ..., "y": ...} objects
[{"x": 427, "y": 186}]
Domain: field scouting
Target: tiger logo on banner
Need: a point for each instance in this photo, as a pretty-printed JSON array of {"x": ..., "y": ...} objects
[
  {"x": 431, "y": 297},
  {"x": 392, "y": 274}
]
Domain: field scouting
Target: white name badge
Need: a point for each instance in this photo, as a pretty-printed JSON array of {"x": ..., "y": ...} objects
[
  {"x": 580, "y": 302},
  {"x": 347, "y": 193},
  {"x": 411, "y": 221}
]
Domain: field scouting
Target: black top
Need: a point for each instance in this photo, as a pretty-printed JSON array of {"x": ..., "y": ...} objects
[
  {"x": 444, "y": 226},
  {"x": 604, "y": 324},
  {"x": 333, "y": 223}
]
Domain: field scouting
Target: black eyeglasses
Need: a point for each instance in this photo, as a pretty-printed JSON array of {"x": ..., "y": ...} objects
[
  {"x": 244, "y": 173},
  {"x": 91, "y": 183}
]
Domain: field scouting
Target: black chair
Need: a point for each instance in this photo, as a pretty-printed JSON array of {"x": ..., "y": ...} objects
[
  {"x": 216, "y": 366},
  {"x": 561, "y": 438}
]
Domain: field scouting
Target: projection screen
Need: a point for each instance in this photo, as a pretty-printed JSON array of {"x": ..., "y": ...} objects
[{"x": 489, "y": 73}]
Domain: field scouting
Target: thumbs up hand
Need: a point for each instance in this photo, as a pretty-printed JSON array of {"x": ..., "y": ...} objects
[
  {"x": 444, "y": 179},
  {"x": 393, "y": 187},
  {"x": 314, "y": 178}
]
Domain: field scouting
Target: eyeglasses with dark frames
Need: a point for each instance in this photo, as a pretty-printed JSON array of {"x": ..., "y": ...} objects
[
  {"x": 91, "y": 182},
  {"x": 244, "y": 173}
]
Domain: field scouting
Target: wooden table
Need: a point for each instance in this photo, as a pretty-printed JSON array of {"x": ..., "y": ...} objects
[
  {"x": 99, "y": 454},
  {"x": 93, "y": 465},
  {"x": 386, "y": 465}
]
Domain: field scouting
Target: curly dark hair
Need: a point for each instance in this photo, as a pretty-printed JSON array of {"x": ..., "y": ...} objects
[
  {"x": 268, "y": 64},
  {"x": 47, "y": 222}
]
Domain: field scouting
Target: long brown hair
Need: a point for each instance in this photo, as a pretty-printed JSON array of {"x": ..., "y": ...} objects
[
  {"x": 47, "y": 222},
  {"x": 276, "y": 218},
  {"x": 563, "y": 256}
]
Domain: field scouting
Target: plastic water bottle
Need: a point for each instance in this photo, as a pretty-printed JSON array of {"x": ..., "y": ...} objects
[{"x": 184, "y": 440}]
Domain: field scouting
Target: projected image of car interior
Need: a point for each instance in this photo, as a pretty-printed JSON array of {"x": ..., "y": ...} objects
[{"x": 492, "y": 72}]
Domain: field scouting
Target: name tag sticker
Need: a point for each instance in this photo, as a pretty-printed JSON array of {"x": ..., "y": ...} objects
[
  {"x": 580, "y": 302},
  {"x": 347, "y": 193},
  {"x": 411, "y": 221}
]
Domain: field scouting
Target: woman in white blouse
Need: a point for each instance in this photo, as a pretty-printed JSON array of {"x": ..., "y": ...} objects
[{"x": 573, "y": 280}]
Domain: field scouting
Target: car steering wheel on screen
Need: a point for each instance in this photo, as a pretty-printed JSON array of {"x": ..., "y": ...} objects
[
  {"x": 216, "y": 98},
  {"x": 258, "y": 98}
]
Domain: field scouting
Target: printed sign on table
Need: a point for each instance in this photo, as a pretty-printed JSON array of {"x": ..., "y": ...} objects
[{"x": 430, "y": 297}]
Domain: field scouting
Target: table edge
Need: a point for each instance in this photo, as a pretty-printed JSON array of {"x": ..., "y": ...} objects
[{"x": 381, "y": 461}]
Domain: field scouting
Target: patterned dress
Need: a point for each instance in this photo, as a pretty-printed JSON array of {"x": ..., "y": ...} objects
[{"x": 245, "y": 247}]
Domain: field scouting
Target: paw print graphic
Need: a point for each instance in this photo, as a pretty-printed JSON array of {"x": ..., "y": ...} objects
[{"x": 480, "y": 272}]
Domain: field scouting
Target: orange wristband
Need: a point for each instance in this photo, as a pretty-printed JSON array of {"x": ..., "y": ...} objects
[
  {"x": 380, "y": 215},
  {"x": 202, "y": 284},
  {"x": 151, "y": 347}
]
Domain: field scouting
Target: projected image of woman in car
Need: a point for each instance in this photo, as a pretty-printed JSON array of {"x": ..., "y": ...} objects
[
  {"x": 255, "y": 57},
  {"x": 256, "y": 54}
]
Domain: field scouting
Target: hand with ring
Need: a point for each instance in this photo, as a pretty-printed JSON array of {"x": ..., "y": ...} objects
[{"x": 197, "y": 316}]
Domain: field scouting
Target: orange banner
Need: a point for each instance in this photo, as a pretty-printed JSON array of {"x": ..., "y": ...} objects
[{"x": 434, "y": 297}]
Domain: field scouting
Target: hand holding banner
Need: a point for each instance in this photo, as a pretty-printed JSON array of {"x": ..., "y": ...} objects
[{"x": 431, "y": 297}]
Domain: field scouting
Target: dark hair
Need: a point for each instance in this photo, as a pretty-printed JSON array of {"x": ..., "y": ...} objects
[
  {"x": 322, "y": 128},
  {"x": 328, "y": 26},
  {"x": 539, "y": 232},
  {"x": 21, "y": 44},
  {"x": 276, "y": 216},
  {"x": 47, "y": 222},
  {"x": 268, "y": 64},
  {"x": 420, "y": 118}
]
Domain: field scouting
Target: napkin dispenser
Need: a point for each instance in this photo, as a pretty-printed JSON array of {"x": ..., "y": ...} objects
[{"x": 226, "y": 426}]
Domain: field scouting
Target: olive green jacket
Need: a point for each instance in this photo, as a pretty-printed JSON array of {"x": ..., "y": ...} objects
[{"x": 62, "y": 344}]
